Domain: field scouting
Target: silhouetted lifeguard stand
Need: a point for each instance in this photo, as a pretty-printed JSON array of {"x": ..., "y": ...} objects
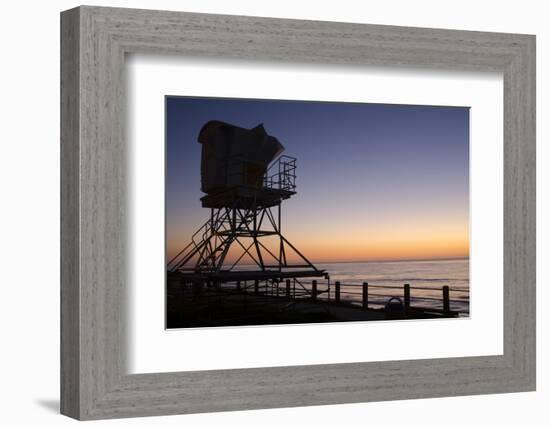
[{"x": 244, "y": 181}]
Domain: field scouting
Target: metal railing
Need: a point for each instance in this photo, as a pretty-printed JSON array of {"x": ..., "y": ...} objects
[
  {"x": 358, "y": 295},
  {"x": 281, "y": 174}
]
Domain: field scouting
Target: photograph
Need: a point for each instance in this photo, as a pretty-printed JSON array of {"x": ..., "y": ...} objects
[{"x": 297, "y": 212}]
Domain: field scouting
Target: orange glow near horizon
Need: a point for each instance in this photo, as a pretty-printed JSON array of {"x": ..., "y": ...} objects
[
  {"x": 342, "y": 244},
  {"x": 395, "y": 242}
]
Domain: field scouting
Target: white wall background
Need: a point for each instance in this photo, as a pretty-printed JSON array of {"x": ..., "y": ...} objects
[{"x": 29, "y": 214}]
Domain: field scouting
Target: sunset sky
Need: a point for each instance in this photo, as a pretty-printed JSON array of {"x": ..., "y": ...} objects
[{"x": 374, "y": 181}]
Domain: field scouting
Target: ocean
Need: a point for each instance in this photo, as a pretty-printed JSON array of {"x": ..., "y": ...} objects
[{"x": 430, "y": 275}]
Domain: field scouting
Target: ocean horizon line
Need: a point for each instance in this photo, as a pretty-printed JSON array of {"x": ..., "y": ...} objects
[
  {"x": 382, "y": 261},
  {"x": 392, "y": 260}
]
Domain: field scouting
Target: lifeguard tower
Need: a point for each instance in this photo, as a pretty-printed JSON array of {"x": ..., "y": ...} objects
[{"x": 245, "y": 180}]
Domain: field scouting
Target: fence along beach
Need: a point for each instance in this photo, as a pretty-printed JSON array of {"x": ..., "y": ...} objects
[
  {"x": 436, "y": 289},
  {"x": 426, "y": 278}
]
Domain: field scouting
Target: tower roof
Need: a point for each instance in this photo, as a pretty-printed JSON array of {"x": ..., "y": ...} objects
[{"x": 234, "y": 156}]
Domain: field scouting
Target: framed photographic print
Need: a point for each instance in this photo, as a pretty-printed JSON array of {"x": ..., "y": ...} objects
[
  {"x": 383, "y": 183},
  {"x": 281, "y": 213}
]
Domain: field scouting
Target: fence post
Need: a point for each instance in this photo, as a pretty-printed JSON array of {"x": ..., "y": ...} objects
[
  {"x": 288, "y": 288},
  {"x": 337, "y": 292},
  {"x": 314, "y": 290},
  {"x": 446, "y": 300},
  {"x": 365, "y": 295},
  {"x": 256, "y": 286},
  {"x": 407, "y": 296}
]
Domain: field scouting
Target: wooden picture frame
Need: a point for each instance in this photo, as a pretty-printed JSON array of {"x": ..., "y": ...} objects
[{"x": 94, "y": 382}]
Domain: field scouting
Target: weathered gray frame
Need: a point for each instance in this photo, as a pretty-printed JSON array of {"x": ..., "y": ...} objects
[{"x": 94, "y": 41}]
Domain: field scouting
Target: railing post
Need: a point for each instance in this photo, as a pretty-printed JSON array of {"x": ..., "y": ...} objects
[
  {"x": 288, "y": 288},
  {"x": 314, "y": 290},
  {"x": 277, "y": 289},
  {"x": 407, "y": 296},
  {"x": 446, "y": 300},
  {"x": 337, "y": 292},
  {"x": 256, "y": 286},
  {"x": 365, "y": 295},
  {"x": 238, "y": 285}
]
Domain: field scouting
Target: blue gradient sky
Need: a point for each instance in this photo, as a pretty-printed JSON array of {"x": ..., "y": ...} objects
[{"x": 374, "y": 181}]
